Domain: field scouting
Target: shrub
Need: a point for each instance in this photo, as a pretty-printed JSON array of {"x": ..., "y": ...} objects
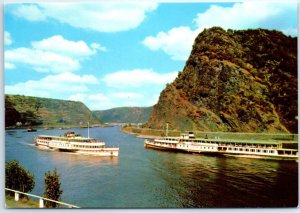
[
  {"x": 52, "y": 188},
  {"x": 17, "y": 177}
]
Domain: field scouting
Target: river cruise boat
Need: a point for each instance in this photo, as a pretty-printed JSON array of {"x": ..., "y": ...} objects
[
  {"x": 240, "y": 148},
  {"x": 73, "y": 142}
]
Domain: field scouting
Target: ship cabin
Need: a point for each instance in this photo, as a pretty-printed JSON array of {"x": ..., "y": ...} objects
[
  {"x": 188, "y": 135},
  {"x": 67, "y": 139},
  {"x": 237, "y": 143},
  {"x": 72, "y": 134}
]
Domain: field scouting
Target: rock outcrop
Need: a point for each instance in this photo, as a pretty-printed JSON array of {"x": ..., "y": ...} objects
[{"x": 238, "y": 81}]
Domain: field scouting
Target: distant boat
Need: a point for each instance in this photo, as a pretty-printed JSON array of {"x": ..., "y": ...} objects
[
  {"x": 30, "y": 129},
  {"x": 73, "y": 142}
]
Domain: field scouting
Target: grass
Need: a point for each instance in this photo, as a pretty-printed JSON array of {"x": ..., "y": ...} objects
[{"x": 22, "y": 203}]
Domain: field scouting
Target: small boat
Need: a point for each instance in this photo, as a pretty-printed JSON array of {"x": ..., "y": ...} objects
[
  {"x": 73, "y": 142},
  {"x": 30, "y": 129},
  {"x": 238, "y": 148}
]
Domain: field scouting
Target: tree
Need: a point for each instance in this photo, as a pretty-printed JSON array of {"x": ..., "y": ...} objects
[
  {"x": 52, "y": 188},
  {"x": 17, "y": 177},
  {"x": 37, "y": 106}
]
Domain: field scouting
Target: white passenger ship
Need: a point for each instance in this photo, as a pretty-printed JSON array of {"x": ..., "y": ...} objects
[
  {"x": 72, "y": 142},
  {"x": 241, "y": 148}
]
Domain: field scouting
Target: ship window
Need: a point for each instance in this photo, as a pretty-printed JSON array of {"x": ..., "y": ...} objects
[
  {"x": 229, "y": 148},
  {"x": 252, "y": 150},
  {"x": 271, "y": 151},
  {"x": 247, "y": 150},
  {"x": 241, "y": 149},
  {"x": 258, "y": 150},
  {"x": 265, "y": 151}
]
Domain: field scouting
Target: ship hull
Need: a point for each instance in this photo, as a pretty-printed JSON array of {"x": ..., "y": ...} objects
[
  {"x": 77, "y": 145},
  {"x": 113, "y": 152},
  {"x": 158, "y": 146}
]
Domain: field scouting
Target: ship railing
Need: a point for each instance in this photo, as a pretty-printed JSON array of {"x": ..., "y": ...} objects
[{"x": 41, "y": 199}]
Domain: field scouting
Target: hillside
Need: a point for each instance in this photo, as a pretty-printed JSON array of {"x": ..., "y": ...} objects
[
  {"x": 124, "y": 114},
  {"x": 46, "y": 112},
  {"x": 237, "y": 81}
]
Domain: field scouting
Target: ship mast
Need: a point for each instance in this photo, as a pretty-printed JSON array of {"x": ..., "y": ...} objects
[
  {"x": 88, "y": 129},
  {"x": 167, "y": 129}
]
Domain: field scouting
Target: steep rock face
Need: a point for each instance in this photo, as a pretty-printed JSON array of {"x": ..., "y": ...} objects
[{"x": 243, "y": 81}]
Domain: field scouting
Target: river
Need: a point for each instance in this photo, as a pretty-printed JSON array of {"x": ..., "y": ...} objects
[{"x": 145, "y": 178}]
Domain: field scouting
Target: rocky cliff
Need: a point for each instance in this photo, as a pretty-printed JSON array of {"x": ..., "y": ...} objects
[{"x": 240, "y": 81}]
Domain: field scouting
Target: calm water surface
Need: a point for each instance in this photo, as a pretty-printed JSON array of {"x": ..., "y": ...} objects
[{"x": 145, "y": 178}]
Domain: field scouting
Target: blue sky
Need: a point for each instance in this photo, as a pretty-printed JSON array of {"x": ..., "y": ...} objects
[{"x": 114, "y": 54}]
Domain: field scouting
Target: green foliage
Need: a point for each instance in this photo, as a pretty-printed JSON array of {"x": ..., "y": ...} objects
[
  {"x": 17, "y": 177},
  {"x": 52, "y": 188},
  {"x": 12, "y": 116},
  {"x": 124, "y": 114},
  {"x": 46, "y": 112}
]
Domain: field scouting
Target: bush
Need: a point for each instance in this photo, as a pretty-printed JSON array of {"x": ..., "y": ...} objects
[
  {"x": 17, "y": 177},
  {"x": 52, "y": 188}
]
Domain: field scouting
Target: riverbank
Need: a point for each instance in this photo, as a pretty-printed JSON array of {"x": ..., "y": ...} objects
[{"x": 23, "y": 203}]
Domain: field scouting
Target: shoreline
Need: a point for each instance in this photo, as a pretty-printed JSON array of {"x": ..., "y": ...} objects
[
  {"x": 140, "y": 135},
  {"x": 279, "y": 137}
]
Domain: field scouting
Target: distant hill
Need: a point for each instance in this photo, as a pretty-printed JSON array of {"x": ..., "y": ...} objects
[
  {"x": 124, "y": 114},
  {"x": 234, "y": 80},
  {"x": 33, "y": 111}
]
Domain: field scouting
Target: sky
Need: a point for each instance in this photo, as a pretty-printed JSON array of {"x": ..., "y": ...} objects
[{"x": 117, "y": 53}]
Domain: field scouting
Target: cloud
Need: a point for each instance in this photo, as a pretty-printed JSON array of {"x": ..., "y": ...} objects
[
  {"x": 54, "y": 54},
  {"x": 98, "y": 97},
  {"x": 53, "y": 85},
  {"x": 97, "y": 46},
  {"x": 57, "y": 44},
  {"x": 41, "y": 61},
  {"x": 247, "y": 15},
  {"x": 138, "y": 78},
  {"x": 72, "y": 78},
  {"x": 95, "y": 101},
  {"x": 9, "y": 66},
  {"x": 153, "y": 100},
  {"x": 7, "y": 38},
  {"x": 101, "y": 16},
  {"x": 29, "y": 12},
  {"x": 178, "y": 41},
  {"x": 290, "y": 31},
  {"x": 77, "y": 97}
]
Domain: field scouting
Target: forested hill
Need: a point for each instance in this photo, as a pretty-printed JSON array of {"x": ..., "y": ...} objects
[
  {"x": 240, "y": 81},
  {"x": 124, "y": 114},
  {"x": 32, "y": 111}
]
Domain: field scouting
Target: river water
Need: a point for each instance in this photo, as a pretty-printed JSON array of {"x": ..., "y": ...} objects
[{"x": 145, "y": 178}]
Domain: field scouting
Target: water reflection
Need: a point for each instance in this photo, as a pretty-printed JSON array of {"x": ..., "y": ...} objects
[
  {"x": 210, "y": 181},
  {"x": 72, "y": 159}
]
